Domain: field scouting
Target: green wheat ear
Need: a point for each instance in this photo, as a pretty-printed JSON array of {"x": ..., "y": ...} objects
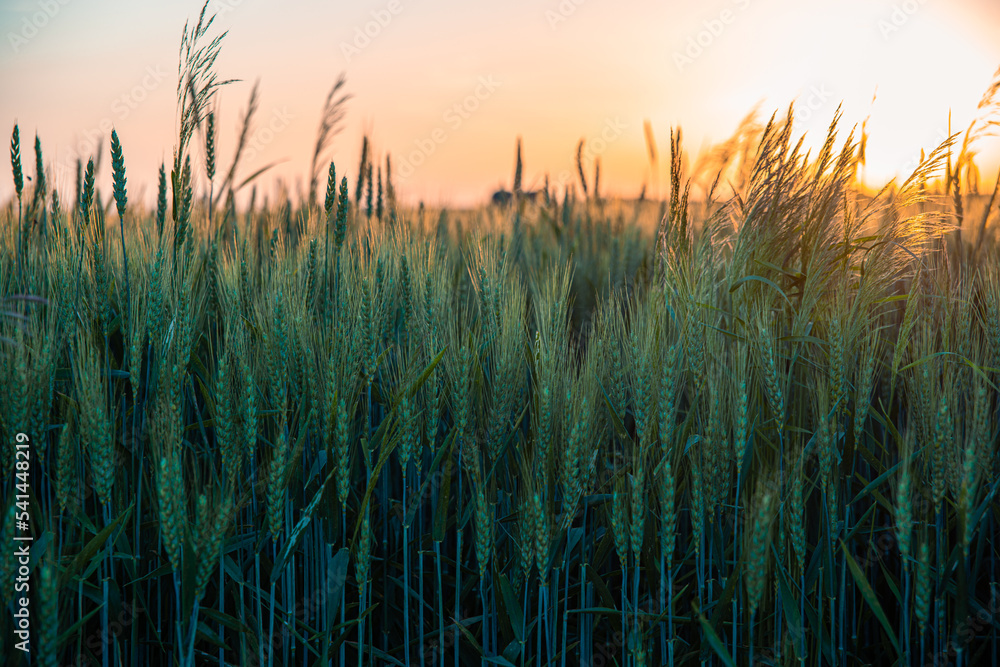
[
  {"x": 40, "y": 184},
  {"x": 15, "y": 161},
  {"x": 118, "y": 174},
  {"x": 331, "y": 191},
  {"x": 121, "y": 201},
  {"x": 342, "y": 204},
  {"x": 210, "y": 146},
  {"x": 378, "y": 196},
  {"x": 390, "y": 195},
  {"x": 368, "y": 192},
  {"x": 359, "y": 190},
  {"x": 87, "y": 198},
  {"x": 161, "y": 201},
  {"x": 922, "y": 593}
]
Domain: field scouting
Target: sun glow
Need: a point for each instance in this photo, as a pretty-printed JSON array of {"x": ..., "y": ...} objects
[{"x": 559, "y": 76}]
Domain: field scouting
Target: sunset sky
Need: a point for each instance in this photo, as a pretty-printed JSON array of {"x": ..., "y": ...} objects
[{"x": 447, "y": 86}]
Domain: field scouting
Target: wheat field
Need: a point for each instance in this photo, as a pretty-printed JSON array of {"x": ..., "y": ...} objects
[{"x": 756, "y": 429}]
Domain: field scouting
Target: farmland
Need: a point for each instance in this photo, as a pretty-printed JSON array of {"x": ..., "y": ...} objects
[{"x": 756, "y": 428}]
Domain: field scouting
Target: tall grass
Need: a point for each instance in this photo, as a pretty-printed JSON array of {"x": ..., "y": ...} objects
[{"x": 759, "y": 432}]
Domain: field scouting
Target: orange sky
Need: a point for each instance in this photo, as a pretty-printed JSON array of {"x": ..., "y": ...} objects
[{"x": 553, "y": 72}]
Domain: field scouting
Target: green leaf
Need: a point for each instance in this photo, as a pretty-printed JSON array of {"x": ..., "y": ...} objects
[
  {"x": 75, "y": 628},
  {"x": 383, "y": 458},
  {"x": 233, "y": 624},
  {"x": 254, "y": 175},
  {"x": 729, "y": 591},
  {"x": 507, "y": 443},
  {"x": 978, "y": 371},
  {"x": 426, "y": 373},
  {"x": 875, "y": 483},
  {"x": 470, "y": 637},
  {"x": 161, "y": 571},
  {"x": 795, "y": 275},
  {"x": 293, "y": 539},
  {"x": 346, "y": 630},
  {"x": 713, "y": 638},
  {"x": 206, "y": 633},
  {"x": 869, "y": 595},
  {"x": 88, "y": 552},
  {"x": 189, "y": 577},
  {"x": 513, "y": 606},
  {"x": 767, "y": 282},
  {"x": 805, "y": 339},
  {"x": 381, "y": 655},
  {"x": 444, "y": 494},
  {"x": 890, "y": 579},
  {"x": 293, "y": 460},
  {"x": 604, "y": 593},
  {"x": 429, "y": 475},
  {"x": 615, "y": 419},
  {"x": 337, "y": 569},
  {"x": 513, "y": 650},
  {"x": 390, "y": 445},
  {"x": 789, "y": 599}
]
